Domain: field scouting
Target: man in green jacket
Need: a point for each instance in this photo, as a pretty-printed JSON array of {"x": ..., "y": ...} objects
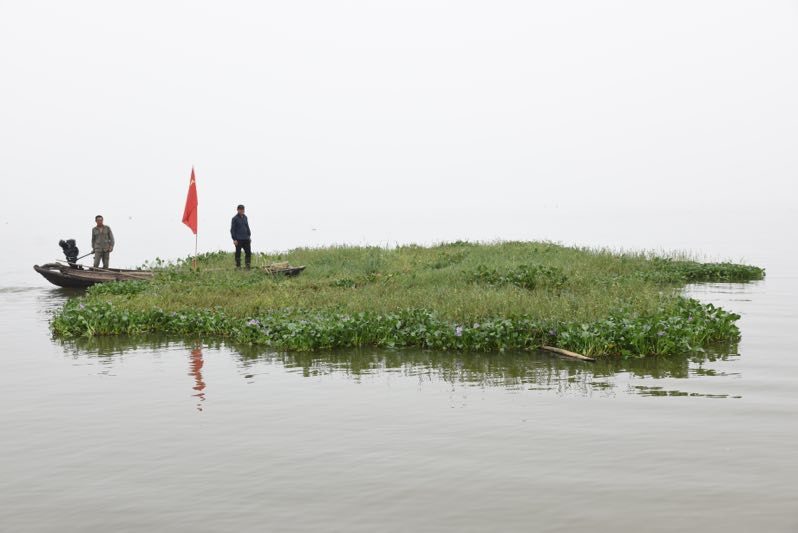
[{"x": 102, "y": 242}]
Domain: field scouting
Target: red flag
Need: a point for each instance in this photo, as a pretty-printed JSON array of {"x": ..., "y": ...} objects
[{"x": 190, "y": 212}]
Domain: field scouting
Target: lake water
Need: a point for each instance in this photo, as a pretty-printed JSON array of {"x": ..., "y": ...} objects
[{"x": 176, "y": 435}]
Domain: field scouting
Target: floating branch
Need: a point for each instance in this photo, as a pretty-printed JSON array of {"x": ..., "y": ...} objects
[{"x": 566, "y": 353}]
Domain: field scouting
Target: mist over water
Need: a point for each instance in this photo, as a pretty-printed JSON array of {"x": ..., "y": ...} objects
[{"x": 398, "y": 122}]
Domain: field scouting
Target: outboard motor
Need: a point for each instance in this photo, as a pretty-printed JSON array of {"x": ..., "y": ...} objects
[{"x": 70, "y": 250}]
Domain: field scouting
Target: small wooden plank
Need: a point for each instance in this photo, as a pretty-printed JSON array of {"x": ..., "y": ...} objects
[{"x": 566, "y": 353}]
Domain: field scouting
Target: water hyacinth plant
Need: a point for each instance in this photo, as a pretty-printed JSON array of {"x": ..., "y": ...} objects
[{"x": 460, "y": 296}]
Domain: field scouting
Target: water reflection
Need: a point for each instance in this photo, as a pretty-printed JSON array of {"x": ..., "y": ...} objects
[
  {"x": 195, "y": 371},
  {"x": 661, "y": 391},
  {"x": 538, "y": 371},
  {"x": 514, "y": 370}
]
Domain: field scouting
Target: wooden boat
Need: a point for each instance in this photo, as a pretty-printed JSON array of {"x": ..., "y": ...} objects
[
  {"x": 65, "y": 275},
  {"x": 284, "y": 269}
]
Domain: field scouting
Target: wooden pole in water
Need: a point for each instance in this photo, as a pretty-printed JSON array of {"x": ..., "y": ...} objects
[{"x": 566, "y": 353}]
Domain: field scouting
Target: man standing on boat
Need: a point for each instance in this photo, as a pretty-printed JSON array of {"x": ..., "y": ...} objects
[
  {"x": 242, "y": 237},
  {"x": 102, "y": 242}
]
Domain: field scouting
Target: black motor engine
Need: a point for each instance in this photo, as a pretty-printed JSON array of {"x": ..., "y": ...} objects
[{"x": 70, "y": 250}]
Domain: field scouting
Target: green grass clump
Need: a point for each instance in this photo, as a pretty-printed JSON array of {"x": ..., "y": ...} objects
[
  {"x": 693, "y": 272},
  {"x": 524, "y": 276},
  {"x": 458, "y": 296}
]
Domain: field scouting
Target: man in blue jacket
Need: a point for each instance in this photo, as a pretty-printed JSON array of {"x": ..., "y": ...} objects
[{"x": 242, "y": 237}]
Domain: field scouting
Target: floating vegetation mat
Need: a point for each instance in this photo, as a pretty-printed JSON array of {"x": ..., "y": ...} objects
[{"x": 460, "y": 296}]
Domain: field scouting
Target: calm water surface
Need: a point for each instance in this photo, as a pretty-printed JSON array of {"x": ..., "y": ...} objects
[{"x": 175, "y": 435}]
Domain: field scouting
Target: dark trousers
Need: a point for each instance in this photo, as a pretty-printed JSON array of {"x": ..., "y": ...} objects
[
  {"x": 101, "y": 256},
  {"x": 247, "y": 246}
]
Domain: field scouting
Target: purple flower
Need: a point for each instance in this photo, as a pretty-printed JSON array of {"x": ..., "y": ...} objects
[
  {"x": 458, "y": 331},
  {"x": 253, "y": 322},
  {"x": 82, "y": 306},
  {"x": 690, "y": 318},
  {"x": 476, "y": 325},
  {"x": 660, "y": 333}
]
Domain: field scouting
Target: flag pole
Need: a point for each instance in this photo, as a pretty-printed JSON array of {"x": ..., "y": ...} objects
[
  {"x": 196, "y": 232},
  {"x": 190, "y": 215}
]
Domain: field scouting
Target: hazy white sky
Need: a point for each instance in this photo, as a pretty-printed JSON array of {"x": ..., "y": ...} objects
[{"x": 390, "y": 121}]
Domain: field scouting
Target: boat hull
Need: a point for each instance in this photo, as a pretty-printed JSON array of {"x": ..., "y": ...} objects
[
  {"x": 75, "y": 278},
  {"x": 286, "y": 271}
]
